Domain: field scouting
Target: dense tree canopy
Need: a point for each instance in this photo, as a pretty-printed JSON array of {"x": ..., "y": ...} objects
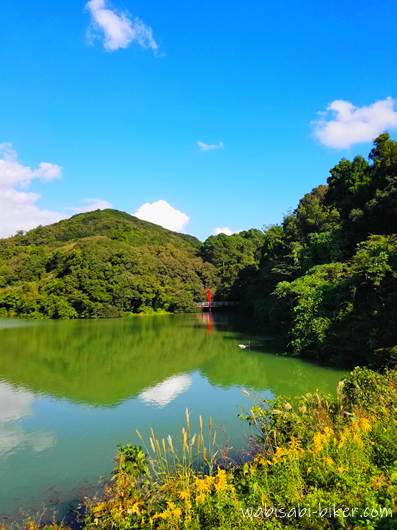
[
  {"x": 327, "y": 279},
  {"x": 100, "y": 264},
  {"x": 233, "y": 255}
]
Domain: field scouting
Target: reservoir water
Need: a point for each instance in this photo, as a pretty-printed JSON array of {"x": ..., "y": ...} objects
[{"x": 71, "y": 391}]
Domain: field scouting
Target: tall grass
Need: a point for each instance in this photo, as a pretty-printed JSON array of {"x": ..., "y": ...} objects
[
  {"x": 311, "y": 452},
  {"x": 194, "y": 452}
]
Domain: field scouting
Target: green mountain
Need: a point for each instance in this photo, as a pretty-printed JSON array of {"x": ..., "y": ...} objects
[{"x": 100, "y": 264}]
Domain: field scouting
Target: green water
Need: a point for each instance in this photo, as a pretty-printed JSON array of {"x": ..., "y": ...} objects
[{"x": 71, "y": 391}]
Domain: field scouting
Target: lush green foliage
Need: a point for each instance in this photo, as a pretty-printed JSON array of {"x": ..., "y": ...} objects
[
  {"x": 100, "y": 264},
  {"x": 327, "y": 278},
  {"x": 346, "y": 309},
  {"x": 235, "y": 257},
  {"x": 338, "y": 454}
]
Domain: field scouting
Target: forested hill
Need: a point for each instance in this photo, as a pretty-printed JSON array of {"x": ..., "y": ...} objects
[
  {"x": 113, "y": 224},
  {"x": 100, "y": 264},
  {"x": 326, "y": 277}
]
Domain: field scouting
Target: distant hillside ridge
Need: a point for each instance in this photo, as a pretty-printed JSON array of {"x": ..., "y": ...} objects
[
  {"x": 111, "y": 223},
  {"x": 101, "y": 264}
]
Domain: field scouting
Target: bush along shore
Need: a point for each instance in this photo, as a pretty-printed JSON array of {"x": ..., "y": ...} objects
[{"x": 317, "y": 463}]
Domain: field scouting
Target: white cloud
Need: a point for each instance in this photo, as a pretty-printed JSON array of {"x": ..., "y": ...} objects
[
  {"x": 13, "y": 173},
  {"x": 165, "y": 392},
  {"x": 19, "y": 209},
  {"x": 117, "y": 28},
  {"x": 203, "y": 146},
  {"x": 343, "y": 124},
  {"x": 92, "y": 205},
  {"x": 16, "y": 405},
  {"x": 163, "y": 214},
  {"x": 223, "y": 230}
]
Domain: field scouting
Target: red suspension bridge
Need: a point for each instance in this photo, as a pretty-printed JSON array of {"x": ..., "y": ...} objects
[
  {"x": 215, "y": 305},
  {"x": 211, "y": 304}
]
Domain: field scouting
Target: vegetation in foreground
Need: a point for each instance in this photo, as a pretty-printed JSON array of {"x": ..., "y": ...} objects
[{"x": 338, "y": 455}]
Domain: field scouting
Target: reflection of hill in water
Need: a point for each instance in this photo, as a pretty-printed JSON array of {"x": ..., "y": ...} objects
[{"x": 105, "y": 362}]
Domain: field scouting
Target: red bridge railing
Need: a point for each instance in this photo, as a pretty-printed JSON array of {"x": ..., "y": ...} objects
[{"x": 214, "y": 305}]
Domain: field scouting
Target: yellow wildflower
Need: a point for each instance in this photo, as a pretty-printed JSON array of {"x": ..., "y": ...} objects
[
  {"x": 328, "y": 460},
  {"x": 320, "y": 439},
  {"x": 260, "y": 460},
  {"x": 358, "y": 440},
  {"x": 98, "y": 508},
  {"x": 318, "y": 442},
  {"x": 295, "y": 447},
  {"x": 280, "y": 453},
  {"x": 172, "y": 512},
  {"x": 364, "y": 424},
  {"x": 203, "y": 487},
  {"x": 200, "y": 498},
  {"x": 134, "y": 508},
  {"x": 184, "y": 494},
  {"x": 176, "y": 513},
  {"x": 221, "y": 480},
  {"x": 344, "y": 435}
]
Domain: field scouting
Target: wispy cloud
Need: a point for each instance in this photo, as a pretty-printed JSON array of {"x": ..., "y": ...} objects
[
  {"x": 343, "y": 124},
  {"x": 223, "y": 230},
  {"x": 13, "y": 173},
  {"x": 118, "y": 29},
  {"x": 162, "y": 213},
  {"x": 91, "y": 205},
  {"x": 203, "y": 146}
]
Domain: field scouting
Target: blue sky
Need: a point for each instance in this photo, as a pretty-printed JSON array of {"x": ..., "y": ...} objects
[{"x": 115, "y": 95}]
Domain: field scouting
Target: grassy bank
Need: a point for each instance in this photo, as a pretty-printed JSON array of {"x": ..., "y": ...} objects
[{"x": 318, "y": 463}]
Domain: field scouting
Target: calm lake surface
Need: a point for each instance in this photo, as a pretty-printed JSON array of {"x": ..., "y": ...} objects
[{"x": 71, "y": 391}]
